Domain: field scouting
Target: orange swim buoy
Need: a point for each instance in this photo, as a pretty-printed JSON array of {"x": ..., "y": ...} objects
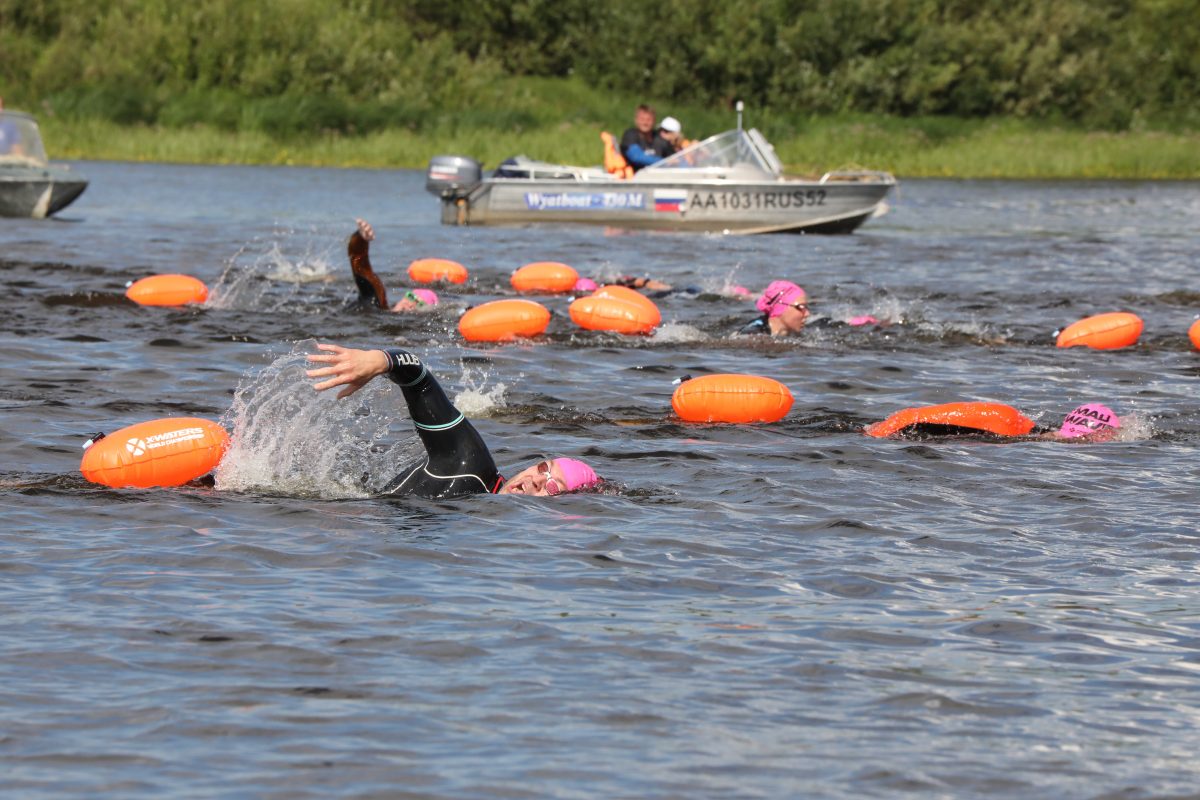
[
  {"x": 1103, "y": 331},
  {"x": 161, "y": 452},
  {"x": 431, "y": 270},
  {"x": 167, "y": 290},
  {"x": 612, "y": 314},
  {"x": 994, "y": 418},
  {"x": 731, "y": 398},
  {"x": 630, "y": 296},
  {"x": 1194, "y": 334},
  {"x": 502, "y": 320},
  {"x": 545, "y": 276}
]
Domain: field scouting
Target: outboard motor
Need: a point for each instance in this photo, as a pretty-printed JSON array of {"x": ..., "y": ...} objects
[{"x": 452, "y": 176}]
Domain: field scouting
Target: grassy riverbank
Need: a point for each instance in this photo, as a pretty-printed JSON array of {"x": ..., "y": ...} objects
[{"x": 559, "y": 120}]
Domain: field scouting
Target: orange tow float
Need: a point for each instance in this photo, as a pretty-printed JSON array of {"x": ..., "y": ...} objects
[
  {"x": 432, "y": 270},
  {"x": 545, "y": 276},
  {"x": 1103, "y": 331},
  {"x": 731, "y": 398},
  {"x": 1194, "y": 334},
  {"x": 167, "y": 290},
  {"x": 994, "y": 418},
  {"x": 503, "y": 320},
  {"x": 616, "y": 308},
  {"x": 161, "y": 452}
]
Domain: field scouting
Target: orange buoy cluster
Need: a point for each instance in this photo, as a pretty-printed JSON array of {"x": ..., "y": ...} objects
[
  {"x": 161, "y": 452},
  {"x": 616, "y": 308},
  {"x": 503, "y": 320},
  {"x": 1103, "y": 331},
  {"x": 1194, "y": 334},
  {"x": 731, "y": 398},
  {"x": 167, "y": 290},
  {"x": 432, "y": 270},
  {"x": 545, "y": 276},
  {"x": 994, "y": 418}
]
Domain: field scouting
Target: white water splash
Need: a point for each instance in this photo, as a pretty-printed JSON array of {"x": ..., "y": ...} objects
[
  {"x": 477, "y": 399},
  {"x": 253, "y": 276},
  {"x": 289, "y": 439},
  {"x": 677, "y": 332}
]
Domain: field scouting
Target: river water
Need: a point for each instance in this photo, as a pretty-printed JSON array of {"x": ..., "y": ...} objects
[{"x": 787, "y": 610}]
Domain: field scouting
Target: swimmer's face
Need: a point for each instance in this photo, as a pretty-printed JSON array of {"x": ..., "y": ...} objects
[
  {"x": 541, "y": 480},
  {"x": 791, "y": 320},
  {"x": 404, "y": 306}
]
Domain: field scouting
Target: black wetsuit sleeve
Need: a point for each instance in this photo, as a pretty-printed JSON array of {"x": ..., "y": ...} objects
[
  {"x": 371, "y": 291},
  {"x": 756, "y": 326},
  {"x": 458, "y": 461}
]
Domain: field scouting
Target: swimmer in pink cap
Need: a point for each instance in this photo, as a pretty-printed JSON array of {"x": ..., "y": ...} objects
[
  {"x": 457, "y": 461},
  {"x": 784, "y": 307},
  {"x": 550, "y": 477},
  {"x": 371, "y": 291},
  {"x": 1097, "y": 422}
]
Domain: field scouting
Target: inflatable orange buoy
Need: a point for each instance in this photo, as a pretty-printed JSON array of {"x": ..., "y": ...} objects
[
  {"x": 731, "y": 398},
  {"x": 631, "y": 296},
  {"x": 161, "y": 452},
  {"x": 994, "y": 418},
  {"x": 610, "y": 314},
  {"x": 430, "y": 270},
  {"x": 1103, "y": 331},
  {"x": 1194, "y": 334},
  {"x": 545, "y": 276},
  {"x": 501, "y": 320},
  {"x": 167, "y": 290}
]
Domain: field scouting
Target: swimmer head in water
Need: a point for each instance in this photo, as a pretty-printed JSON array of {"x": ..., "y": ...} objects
[
  {"x": 785, "y": 306},
  {"x": 550, "y": 477},
  {"x": 415, "y": 300},
  {"x": 1093, "y": 420}
]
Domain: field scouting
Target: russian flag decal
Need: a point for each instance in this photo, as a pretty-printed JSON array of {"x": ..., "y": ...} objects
[{"x": 670, "y": 200}]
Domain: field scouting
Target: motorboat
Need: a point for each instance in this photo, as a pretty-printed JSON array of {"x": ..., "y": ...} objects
[
  {"x": 729, "y": 183},
  {"x": 30, "y": 186}
]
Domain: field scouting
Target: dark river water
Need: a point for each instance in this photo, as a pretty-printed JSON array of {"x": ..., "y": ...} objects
[{"x": 786, "y": 610}]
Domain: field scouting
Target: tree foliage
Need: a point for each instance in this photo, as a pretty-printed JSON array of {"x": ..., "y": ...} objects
[{"x": 284, "y": 66}]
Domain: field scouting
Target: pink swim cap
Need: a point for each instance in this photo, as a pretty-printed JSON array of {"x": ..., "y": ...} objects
[
  {"x": 778, "y": 296},
  {"x": 863, "y": 319},
  {"x": 1088, "y": 419},
  {"x": 586, "y": 285},
  {"x": 426, "y": 297},
  {"x": 577, "y": 474},
  {"x": 739, "y": 290}
]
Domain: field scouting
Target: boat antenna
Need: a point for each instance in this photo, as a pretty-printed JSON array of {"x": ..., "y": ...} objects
[{"x": 740, "y": 105}]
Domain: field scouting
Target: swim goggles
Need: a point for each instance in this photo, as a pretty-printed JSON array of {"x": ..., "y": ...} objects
[
  {"x": 411, "y": 295},
  {"x": 552, "y": 486}
]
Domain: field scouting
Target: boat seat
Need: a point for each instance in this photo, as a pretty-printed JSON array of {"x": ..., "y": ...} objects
[{"x": 614, "y": 162}]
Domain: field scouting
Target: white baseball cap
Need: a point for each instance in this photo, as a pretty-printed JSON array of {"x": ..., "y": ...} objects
[{"x": 671, "y": 124}]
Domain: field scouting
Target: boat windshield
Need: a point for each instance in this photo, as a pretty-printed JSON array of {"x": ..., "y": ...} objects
[
  {"x": 19, "y": 138},
  {"x": 736, "y": 148}
]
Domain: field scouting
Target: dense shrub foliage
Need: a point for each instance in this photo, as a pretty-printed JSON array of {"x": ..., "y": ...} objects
[{"x": 287, "y": 66}]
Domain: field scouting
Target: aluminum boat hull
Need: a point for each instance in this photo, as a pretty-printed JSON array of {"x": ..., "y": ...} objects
[
  {"x": 37, "y": 191},
  {"x": 781, "y": 206}
]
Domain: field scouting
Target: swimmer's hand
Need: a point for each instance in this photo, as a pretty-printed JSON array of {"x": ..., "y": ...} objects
[
  {"x": 353, "y": 369},
  {"x": 365, "y": 230}
]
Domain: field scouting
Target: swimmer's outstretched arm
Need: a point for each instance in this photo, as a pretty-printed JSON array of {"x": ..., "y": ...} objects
[{"x": 370, "y": 289}]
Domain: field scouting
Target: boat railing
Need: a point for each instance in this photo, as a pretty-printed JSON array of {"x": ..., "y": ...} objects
[{"x": 855, "y": 175}]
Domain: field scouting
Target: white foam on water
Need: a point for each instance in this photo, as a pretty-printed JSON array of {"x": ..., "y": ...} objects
[
  {"x": 477, "y": 399},
  {"x": 289, "y": 439},
  {"x": 676, "y": 332},
  {"x": 253, "y": 276}
]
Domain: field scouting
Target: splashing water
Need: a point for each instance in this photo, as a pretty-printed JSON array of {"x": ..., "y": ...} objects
[
  {"x": 288, "y": 439},
  {"x": 476, "y": 400},
  {"x": 253, "y": 276}
]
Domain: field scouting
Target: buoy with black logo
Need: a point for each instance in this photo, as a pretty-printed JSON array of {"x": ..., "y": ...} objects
[
  {"x": 161, "y": 452},
  {"x": 952, "y": 418},
  {"x": 545, "y": 276},
  {"x": 731, "y": 398},
  {"x": 503, "y": 320},
  {"x": 1103, "y": 331},
  {"x": 167, "y": 290},
  {"x": 432, "y": 270},
  {"x": 616, "y": 308}
]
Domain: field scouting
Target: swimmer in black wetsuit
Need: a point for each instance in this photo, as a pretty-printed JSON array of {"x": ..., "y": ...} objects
[
  {"x": 371, "y": 291},
  {"x": 457, "y": 461}
]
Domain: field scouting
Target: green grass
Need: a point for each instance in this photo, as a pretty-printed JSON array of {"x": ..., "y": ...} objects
[{"x": 560, "y": 120}]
